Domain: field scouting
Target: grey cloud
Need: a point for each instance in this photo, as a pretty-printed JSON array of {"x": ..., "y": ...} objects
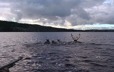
[
  {"x": 52, "y": 9},
  {"x": 109, "y": 19},
  {"x": 82, "y": 13},
  {"x": 105, "y": 16},
  {"x": 90, "y": 3},
  {"x": 47, "y": 8}
]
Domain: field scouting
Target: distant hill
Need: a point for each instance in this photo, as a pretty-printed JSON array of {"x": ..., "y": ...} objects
[{"x": 6, "y": 26}]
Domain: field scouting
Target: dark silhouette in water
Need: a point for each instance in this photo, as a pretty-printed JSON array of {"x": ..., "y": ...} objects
[
  {"x": 6, "y": 67},
  {"x": 47, "y": 41},
  {"x": 59, "y": 41},
  {"x": 54, "y": 42},
  {"x": 75, "y": 38}
]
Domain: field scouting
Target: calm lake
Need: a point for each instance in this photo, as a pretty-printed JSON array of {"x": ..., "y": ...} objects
[{"x": 94, "y": 54}]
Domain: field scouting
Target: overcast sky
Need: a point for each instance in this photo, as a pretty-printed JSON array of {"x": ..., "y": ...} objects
[{"x": 58, "y": 12}]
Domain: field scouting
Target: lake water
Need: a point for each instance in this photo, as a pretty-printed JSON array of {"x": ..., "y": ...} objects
[
  {"x": 33, "y": 37},
  {"x": 94, "y": 54}
]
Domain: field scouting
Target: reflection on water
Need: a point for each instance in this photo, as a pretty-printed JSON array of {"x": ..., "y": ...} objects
[{"x": 95, "y": 54}]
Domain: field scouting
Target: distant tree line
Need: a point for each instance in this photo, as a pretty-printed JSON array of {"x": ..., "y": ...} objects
[{"x": 6, "y": 26}]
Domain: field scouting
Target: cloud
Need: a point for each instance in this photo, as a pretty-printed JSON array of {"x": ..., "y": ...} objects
[
  {"x": 52, "y": 9},
  {"x": 47, "y": 8},
  {"x": 58, "y": 11},
  {"x": 102, "y": 14}
]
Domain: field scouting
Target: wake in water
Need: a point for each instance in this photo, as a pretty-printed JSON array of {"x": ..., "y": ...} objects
[
  {"x": 72, "y": 57},
  {"x": 59, "y": 56}
]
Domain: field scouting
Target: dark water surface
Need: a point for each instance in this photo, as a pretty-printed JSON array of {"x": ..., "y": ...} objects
[{"x": 94, "y": 54}]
